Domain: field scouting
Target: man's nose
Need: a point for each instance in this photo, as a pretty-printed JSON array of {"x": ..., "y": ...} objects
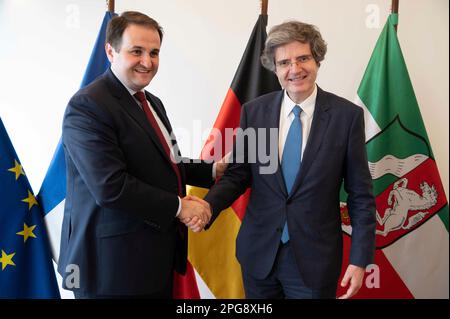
[
  {"x": 146, "y": 60},
  {"x": 295, "y": 66}
]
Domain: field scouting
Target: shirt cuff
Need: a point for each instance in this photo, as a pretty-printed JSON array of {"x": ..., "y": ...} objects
[{"x": 179, "y": 207}]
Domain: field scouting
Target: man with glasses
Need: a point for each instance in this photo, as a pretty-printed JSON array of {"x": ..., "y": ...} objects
[{"x": 290, "y": 241}]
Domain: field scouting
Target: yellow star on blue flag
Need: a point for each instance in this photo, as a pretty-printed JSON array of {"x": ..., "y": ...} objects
[
  {"x": 26, "y": 265},
  {"x": 6, "y": 259},
  {"x": 31, "y": 200},
  {"x": 27, "y": 232},
  {"x": 17, "y": 169}
]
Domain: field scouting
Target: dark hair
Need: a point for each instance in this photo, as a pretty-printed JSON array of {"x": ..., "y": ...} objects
[
  {"x": 288, "y": 32},
  {"x": 118, "y": 24}
]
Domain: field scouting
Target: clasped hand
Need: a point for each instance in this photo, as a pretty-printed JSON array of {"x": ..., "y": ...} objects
[{"x": 195, "y": 213}]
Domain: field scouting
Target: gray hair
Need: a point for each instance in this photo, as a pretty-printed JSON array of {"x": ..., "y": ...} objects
[{"x": 288, "y": 32}]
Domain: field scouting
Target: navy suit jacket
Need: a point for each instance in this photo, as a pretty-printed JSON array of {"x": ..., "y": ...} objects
[
  {"x": 119, "y": 223},
  {"x": 335, "y": 153}
]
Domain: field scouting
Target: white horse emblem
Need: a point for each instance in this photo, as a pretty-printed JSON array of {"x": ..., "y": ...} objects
[{"x": 403, "y": 200}]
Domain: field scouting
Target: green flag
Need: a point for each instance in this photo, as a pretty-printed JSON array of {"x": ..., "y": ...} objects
[{"x": 412, "y": 209}]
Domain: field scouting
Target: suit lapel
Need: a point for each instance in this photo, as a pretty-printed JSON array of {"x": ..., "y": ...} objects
[
  {"x": 318, "y": 128},
  {"x": 133, "y": 109},
  {"x": 159, "y": 109},
  {"x": 272, "y": 118}
]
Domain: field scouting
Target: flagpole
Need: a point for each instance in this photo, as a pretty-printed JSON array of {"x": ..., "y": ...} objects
[
  {"x": 264, "y": 5},
  {"x": 110, "y": 4},
  {"x": 394, "y": 9}
]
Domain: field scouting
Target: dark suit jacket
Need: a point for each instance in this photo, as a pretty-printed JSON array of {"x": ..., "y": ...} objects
[
  {"x": 119, "y": 223},
  {"x": 335, "y": 153}
]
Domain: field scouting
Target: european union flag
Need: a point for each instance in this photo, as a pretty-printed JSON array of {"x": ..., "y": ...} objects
[{"x": 25, "y": 261}]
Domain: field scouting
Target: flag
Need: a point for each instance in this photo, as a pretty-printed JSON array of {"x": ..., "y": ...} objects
[
  {"x": 26, "y": 263},
  {"x": 412, "y": 243},
  {"x": 52, "y": 194},
  {"x": 213, "y": 270}
]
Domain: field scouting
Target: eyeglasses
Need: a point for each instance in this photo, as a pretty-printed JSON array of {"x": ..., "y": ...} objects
[{"x": 285, "y": 64}]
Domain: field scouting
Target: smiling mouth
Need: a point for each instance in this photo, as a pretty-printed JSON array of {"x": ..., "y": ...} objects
[
  {"x": 298, "y": 78},
  {"x": 142, "y": 71}
]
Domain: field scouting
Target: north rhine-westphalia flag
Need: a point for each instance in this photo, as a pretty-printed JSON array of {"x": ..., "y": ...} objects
[
  {"x": 25, "y": 258},
  {"x": 412, "y": 243},
  {"x": 213, "y": 270}
]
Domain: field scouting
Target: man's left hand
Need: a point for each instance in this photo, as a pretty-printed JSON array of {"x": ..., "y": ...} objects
[{"x": 355, "y": 275}]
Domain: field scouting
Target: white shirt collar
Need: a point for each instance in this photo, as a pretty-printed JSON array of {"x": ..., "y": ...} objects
[
  {"x": 307, "y": 105},
  {"x": 132, "y": 92}
]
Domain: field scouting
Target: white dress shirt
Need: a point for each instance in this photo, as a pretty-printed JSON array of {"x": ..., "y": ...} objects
[
  {"x": 163, "y": 130},
  {"x": 286, "y": 118}
]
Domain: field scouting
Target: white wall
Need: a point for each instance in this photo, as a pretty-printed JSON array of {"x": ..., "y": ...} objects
[{"x": 46, "y": 45}]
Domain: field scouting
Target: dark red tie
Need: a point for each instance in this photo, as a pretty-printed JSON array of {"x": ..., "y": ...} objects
[{"x": 141, "y": 97}]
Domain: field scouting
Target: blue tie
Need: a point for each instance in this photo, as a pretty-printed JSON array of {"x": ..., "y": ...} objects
[{"x": 292, "y": 157}]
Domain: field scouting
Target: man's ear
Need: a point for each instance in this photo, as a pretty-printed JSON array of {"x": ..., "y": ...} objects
[{"x": 109, "y": 52}]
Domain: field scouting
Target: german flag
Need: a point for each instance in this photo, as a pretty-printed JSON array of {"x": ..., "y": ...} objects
[{"x": 213, "y": 271}]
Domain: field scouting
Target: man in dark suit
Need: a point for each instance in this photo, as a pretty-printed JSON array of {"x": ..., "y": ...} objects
[
  {"x": 125, "y": 177},
  {"x": 290, "y": 241}
]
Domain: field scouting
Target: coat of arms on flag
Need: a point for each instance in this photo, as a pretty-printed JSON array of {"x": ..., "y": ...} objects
[{"x": 412, "y": 209}]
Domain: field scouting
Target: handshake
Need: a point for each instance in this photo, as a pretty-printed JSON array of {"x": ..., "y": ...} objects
[{"x": 195, "y": 213}]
